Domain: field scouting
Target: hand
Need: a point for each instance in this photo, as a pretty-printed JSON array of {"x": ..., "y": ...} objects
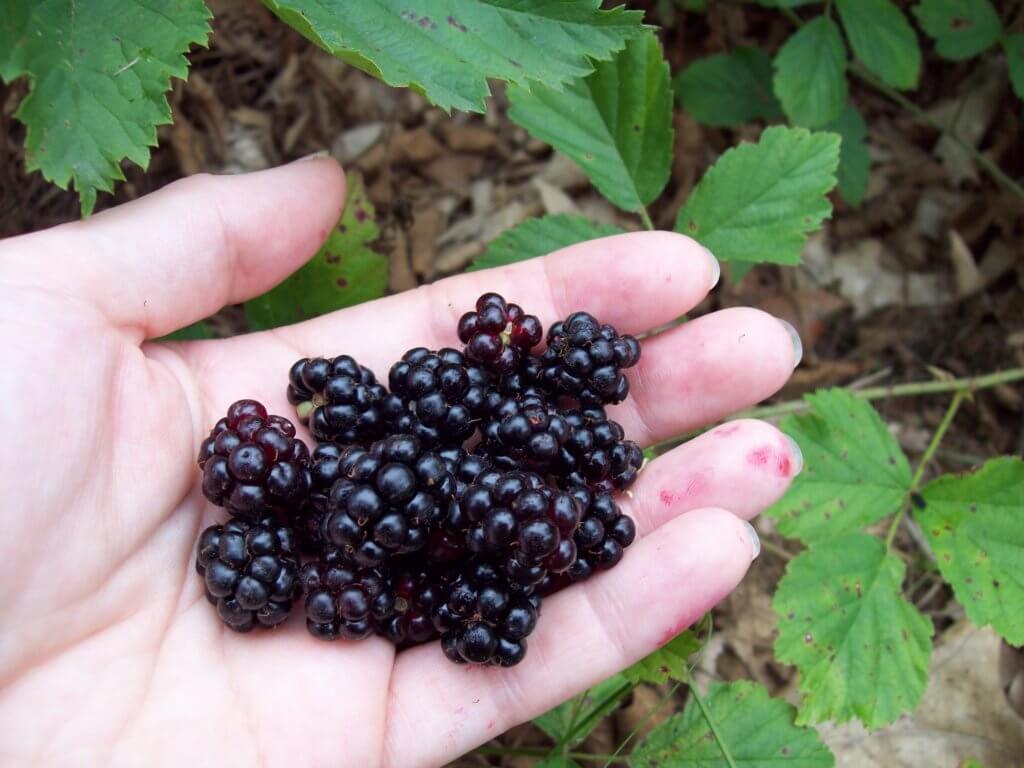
[{"x": 109, "y": 653}]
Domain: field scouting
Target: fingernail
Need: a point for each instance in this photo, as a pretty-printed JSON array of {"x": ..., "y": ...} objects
[
  {"x": 798, "y": 346},
  {"x": 796, "y": 456},
  {"x": 755, "y": 540},
  {"x": 715, "y": 266},
  {"x": 314, "y": 155}
]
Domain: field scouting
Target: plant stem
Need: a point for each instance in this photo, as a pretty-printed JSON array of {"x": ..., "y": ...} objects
[
  {"x": 596, "y": 711},
  {"x": 542, "y": 752},
  {"x": 922, "y": 465},
  {"x": 711, "y": 724},
  {"x": 645, "y": 217}
]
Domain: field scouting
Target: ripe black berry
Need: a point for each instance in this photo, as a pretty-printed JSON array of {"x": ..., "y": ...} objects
[
  {"x": 343, "y": 600},
  {"x": 418, "y": 591},
  {"x": 498, "y": 333},
  {"x": 483, "y": 620},
  {"x": 585, "y": 360},
  {"x": 386, "y": 499},
  {"x": 531, "y": 431},
  {"x": 249, "y": 571},
  {"x": 597, "y": 453},
  {"x": 601, "y": 536},
  {"x": 338, "y": 398},
  {"x": 253, "y": 464}
]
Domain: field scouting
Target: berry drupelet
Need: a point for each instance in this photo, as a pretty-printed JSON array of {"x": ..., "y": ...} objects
[
  {"x": 498, "y": 333},
  {"x": 253, "y": 464},
  {"x": 249, "y": 572},
  {"x": 585, "y": 360},
  {"x": 342, "y": 599},
  {"x": 386, "y": 499},
  {"x": 437, "y": 396},
  {"x": 338, "y": 398},
  {"x": 483, "y": 619}
]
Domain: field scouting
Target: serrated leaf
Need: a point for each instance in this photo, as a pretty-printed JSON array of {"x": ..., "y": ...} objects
[
  {"x": 758, "y": 730},
  {"x": 1014, "y": 47},
  {"x": 975, "y": 525},
  {"x": 616, "y": 123},
  {"x": 729, "y": 89},
  {"x": 447, "y": 49},
  {"x": 855, "y": 473},
  {"x": 861, "y": 649},
  {"x": 98, "y": 77},
  {"x": 961, "y": 28},
  {"x": 810, "y": 74},
  {"x": 343, "y": 272},
  {"x": 539, "y": 237},
  {"x": 668, "y": 662},
  {"x": 883, "y": 40},
  {"x": 758, "y": 202},
  {"x": 597, "y": 702},
  {"x": 854, "y": 158}
]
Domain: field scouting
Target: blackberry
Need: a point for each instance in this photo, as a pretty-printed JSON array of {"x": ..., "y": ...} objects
[
  {"x": 597, "y": 453},
  {"x": 498, "y": 333},
  {"x": 601, "y": 536},
  {"x": 522, "y": 524},
  {"x": 342, "y": 599},
  {"x": 385, "y": 500},
  {"x": 249, "y": 571},
  {"x": 253, "y": 464},
  {"x": 483, "y": 620},
  {"x": 585, "y": 360},
  {"x": 437, "y": 396},
  {"x": 417, "y": 591},
  {"x": 338, "y": 398},
  {"x": 531, "y": 432}
]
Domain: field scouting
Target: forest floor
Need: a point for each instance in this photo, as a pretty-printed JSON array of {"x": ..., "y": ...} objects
[{"x": 923, "y": 280}]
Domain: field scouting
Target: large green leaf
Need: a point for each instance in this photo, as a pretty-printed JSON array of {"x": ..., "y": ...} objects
[
  {"x": 862, "y": 650},
  {"x": 882, "y": 38},
  {"x": 961, "y": 28},
  {"x": 342, "y": 273},
  {"x": 595, "y": 704},
  {"x": 616, "y": 123},
  {"x": 1014, "y": 47},
  {"x": 854, "y": 158},
  {"x": 729, "y": 89},
  {"x": 975, "y": 525},
  {"x": 98, "y": 73},
  {"x": 447, "y": 49},
  {"x": 758, "y": 730},
  {"x": 539, "y": 237},
  {"x": 668, "y": 662},
  {"x": 854, "y": 471},
  {"x": 758, "y": 202},
  {"x": 810, "y": 74}
]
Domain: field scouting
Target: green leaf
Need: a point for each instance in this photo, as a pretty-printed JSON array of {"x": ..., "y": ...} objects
[
  {"x": 739, "y": 269},
  {"x": 447, "y": 49},
  {"x": 854, "y": 470},
  {"x": 195, "y": 332},
  {"x": 343, "y": 272},
  {"x": 616, "y": 123},
  {"x": 854, "y": 158},
  {"x": 98, "y": 77},
  {"x": 758, "y": 202},
  {"x": 785, "y": 3},
  {"x": 1014, "y": 47},
  {"x": 810, "y": 74},
  {"x": 539, "y": 237},
  {"x": 862, "y": 650},
  {"x": 758, "y": 730},
  {"x": 597, "y": 702},
  {"x": 668, "y": 662},
  {"x": 882, "y": 38},
  {"x": 975, "y": 525},
  {"x": 729, "y": 89},
  {"x": 961, "y": 28}
]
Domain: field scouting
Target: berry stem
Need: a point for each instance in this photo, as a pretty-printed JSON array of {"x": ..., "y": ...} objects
[{"x": 711, "y": 724}]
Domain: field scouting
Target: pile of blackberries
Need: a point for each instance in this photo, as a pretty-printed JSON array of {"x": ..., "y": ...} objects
[{"x": 443, "y": 506}]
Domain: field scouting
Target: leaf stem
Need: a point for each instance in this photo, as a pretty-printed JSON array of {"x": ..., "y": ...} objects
[
  {"x": 543, "y": 752},
  {"x": 645, "y": 217},
  {"x": 596, "y": 711},
  {"x": 922, "y": 465},
  {"x": 712, "y": 725}
]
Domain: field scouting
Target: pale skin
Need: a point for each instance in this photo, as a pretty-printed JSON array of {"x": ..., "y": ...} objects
[{"x": 109, "y": 653}]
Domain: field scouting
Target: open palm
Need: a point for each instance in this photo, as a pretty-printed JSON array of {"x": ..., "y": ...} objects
[{"x": 109, "y": 653}]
